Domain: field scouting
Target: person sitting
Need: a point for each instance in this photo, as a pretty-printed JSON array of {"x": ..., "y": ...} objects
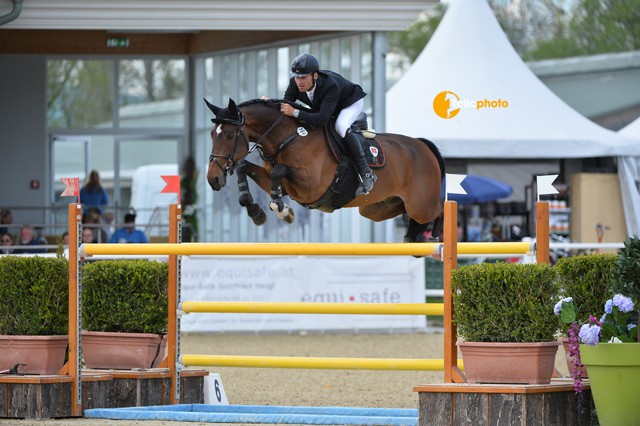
[
  {"x": 128, "y": 233},
  {"x": 6, "y": 218},
  {"x": 329, "y": 94},
  {"x": 92, "y": 194},
  {"x": 7, "y": 243},
  {"x": 27, "y": 238},
  {"x": 93, "y": 220},
  {"x": 87, "y": 236}
]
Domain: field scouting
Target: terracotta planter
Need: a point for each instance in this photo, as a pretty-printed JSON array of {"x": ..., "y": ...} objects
[
  {"x": 527, "y": 363},
  {"x": 569, "y": 358},
  {"x": 120, "y": 351},
  {"x": 42, "y": 354}
]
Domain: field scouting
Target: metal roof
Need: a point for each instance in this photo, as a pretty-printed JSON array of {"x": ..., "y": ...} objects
[{"x": 194, "y": 15}]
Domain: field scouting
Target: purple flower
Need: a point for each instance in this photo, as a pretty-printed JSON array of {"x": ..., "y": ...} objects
[
  {"x": 558, "y": 307},
  {"x": 590, "y": 334},
  {"x": 623, "y": 303},
  {"x": 608, "y": 306}
]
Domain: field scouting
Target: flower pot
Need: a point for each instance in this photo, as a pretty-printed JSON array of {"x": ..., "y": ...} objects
[
  {"x": 614, "y": 375},
  {"x": 121, "y": 351},
  {"x": 569, "y": 358},
  {"x": 42, "y": 354},
  {"x": 492, "y": 362}
]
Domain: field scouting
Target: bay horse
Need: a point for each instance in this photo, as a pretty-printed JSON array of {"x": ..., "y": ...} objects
[{"x": 297, "y": 161}]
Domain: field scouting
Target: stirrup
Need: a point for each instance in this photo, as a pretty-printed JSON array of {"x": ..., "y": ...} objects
[{"x": 366, "y": 183}]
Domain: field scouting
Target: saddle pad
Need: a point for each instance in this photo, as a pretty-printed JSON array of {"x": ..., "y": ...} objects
[{"x": 373, "y": 151}]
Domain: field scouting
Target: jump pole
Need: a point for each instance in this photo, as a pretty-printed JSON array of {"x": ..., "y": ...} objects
[{"x": 73, "y": 364}]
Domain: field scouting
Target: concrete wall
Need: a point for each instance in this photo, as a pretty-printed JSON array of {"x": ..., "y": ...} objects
[{"x": 23, "y": 140}]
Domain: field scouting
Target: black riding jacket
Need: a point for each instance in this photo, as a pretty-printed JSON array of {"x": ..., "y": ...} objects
[{"x": 333, "y": 93}]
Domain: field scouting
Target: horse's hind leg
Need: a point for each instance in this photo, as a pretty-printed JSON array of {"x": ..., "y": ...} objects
[
  {"x": 277, "y": 203},
  {"x": 246, "y": 200},
  {"x": 415, "y": 232}
]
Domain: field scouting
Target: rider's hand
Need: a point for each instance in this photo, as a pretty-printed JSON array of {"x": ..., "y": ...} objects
[{"x": 287, "y": 109}]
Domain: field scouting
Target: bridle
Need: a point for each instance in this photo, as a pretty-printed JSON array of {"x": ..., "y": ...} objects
[{"x": 230, "y": 162}]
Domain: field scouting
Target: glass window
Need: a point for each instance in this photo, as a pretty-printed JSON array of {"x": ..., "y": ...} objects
[
  {"x": 262, "y": 69},
  {"x": 151, "y": 93},
  {"x": 345, "y": 57},
  {"x": 284, "y": 66},
  {"x": 79, "y": 93}
]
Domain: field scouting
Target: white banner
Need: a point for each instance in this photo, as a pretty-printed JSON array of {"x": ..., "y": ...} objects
[{"x": 302, "y": 279}]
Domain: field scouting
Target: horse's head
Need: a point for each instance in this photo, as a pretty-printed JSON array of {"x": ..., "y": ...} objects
[{"x": 229, "y": 143}]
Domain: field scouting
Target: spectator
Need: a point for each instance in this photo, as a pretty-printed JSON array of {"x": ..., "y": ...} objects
[
  {"x": 7, "y": 242},
  {"x": 128, "y": 233},
  {"x": 6, "y": 218},
  {"x": 93, "y": 219},
  {"x": 26, "y": 238},
  {"x": 87, "y": 236},
  {"x": 92, "y": 194},
  {"x": 65, "y": 239}
]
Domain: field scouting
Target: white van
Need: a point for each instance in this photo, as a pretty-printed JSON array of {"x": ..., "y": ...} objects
[{"x": 152, "y": 207}]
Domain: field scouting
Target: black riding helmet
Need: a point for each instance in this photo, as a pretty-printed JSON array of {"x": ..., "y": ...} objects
[{"x": 304, "y": 64}]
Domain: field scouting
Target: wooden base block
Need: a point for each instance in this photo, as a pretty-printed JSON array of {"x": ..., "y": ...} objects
[
  {"x": 462, "y": 404},
  {"x": 50, "y": 396}
]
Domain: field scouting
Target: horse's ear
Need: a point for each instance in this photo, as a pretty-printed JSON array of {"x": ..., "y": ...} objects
[
  {"x": 233, "y": 109},
  {"x": 214, "y": 109}
]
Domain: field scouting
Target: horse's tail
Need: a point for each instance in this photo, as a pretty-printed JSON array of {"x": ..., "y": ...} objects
[{"x": 436, "y": 152}]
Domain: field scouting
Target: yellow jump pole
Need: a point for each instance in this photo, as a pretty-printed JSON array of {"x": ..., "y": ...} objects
[
  {"x": 272, "y": 249},
  {"x": 313, "y": 308},
  {"x": 542, "y": 232},
  {"x": 74, "y": 370},
  {"x": 299, "y": 249},
  {"x": 312, "y": 362}
]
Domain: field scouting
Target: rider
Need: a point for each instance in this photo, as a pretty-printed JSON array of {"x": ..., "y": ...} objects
[{"x": 328, "y": 94}]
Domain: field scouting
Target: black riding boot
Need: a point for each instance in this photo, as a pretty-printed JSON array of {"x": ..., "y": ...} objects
[{"x": 367, "y": 178}]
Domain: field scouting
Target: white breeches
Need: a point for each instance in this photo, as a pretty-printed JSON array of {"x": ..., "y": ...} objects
[{"x": 347, "y": 116}]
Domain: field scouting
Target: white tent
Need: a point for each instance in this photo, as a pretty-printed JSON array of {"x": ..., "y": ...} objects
[
  {"x": 629, "y": 174},
  {"x": 470, "y": 56}
]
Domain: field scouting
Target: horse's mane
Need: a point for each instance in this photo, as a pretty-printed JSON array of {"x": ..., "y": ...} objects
[{"x": 274, "y": 103}]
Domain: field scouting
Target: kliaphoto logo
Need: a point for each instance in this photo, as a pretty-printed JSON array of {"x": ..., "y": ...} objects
[{"x": 447, "y": 104}]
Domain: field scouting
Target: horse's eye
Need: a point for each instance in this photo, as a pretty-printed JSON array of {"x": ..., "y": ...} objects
[{"x": 229, "y": 135}]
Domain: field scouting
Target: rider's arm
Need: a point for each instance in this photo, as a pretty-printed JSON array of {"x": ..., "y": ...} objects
[{"x": 328, "y": 106}]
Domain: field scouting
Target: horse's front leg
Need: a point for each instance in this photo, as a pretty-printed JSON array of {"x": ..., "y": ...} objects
[
  {"x": 277, "y": 203},
  {"x": 254, "y": 210}
]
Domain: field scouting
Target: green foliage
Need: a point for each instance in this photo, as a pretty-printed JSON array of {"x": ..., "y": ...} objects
[
  {"x": 586, "y": 279},
  {"x": 34, "y": 296},
  {"x": 627, "y": 271},
  {"x": 410, "y": 42},
  {"x": 501, "y": 302},
  {"x": 125, "y": 296}
]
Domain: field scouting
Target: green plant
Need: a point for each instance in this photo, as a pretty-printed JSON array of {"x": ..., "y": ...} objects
[
  {"x": 627, "y": 274},
  {"x": 34, "y": 295},
  {"x": 502, "y": 302},
  {"x": 587, "y": 280},
  {"x": 125, "y": 296}
]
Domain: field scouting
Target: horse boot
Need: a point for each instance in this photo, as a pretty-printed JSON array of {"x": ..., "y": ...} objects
[{"x": 367, "y": 178}]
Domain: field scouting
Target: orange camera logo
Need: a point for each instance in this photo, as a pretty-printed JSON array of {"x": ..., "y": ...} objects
[{"x": 447, "y": 104}]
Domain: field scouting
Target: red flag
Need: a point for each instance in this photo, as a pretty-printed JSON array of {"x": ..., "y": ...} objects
[
  {"x": 71, "y": 187},
  {"x": 173, "y": 184}
]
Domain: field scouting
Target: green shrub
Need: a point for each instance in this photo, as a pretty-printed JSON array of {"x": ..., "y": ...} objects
[
  {"x": 502, "y": 302},
  {"x": 627, "y": 272},
  {"x": 587, "y": 279},
  {"x": 34, "y": 295},
  {"x": 125, "y": 296}
]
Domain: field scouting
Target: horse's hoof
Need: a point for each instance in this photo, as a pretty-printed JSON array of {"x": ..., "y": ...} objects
[
  {"x": 260, "y": 219},
  {"x": 290, "y": 217}
]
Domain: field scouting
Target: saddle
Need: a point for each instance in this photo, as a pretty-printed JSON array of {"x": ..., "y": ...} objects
[
  {"x": 345, "y": 182},
  {"x": 373, "y": 152}
]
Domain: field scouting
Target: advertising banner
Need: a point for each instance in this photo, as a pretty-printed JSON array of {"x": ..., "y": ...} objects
[{"x": 302, "y": 279}]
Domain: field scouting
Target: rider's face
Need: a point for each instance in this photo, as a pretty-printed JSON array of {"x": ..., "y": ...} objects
[{"x": 305, "y": 83}]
